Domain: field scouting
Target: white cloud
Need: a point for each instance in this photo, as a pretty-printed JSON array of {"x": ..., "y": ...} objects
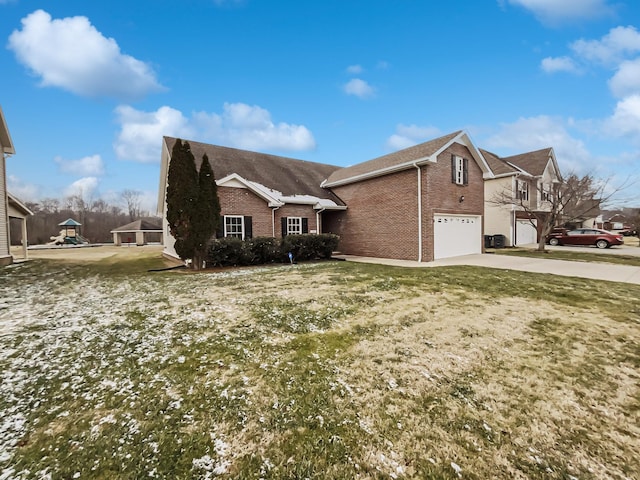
[
  {"x": 557, "y": 11},
  {"x": 382, "y": 65},
  {"x": 141, "y": 133},
  {"x": 354, "y": 69},
  {"x": 625, "y": 121},
  {"x": 239, "y": 125},
  {"x": 535, "y": 133},
  {"x": 86, "y": 166},
  {"x": 72, "y": 54},
  {"x": 84, "y": 187},
  {"x": 23, "y": 191},
  {"x": 559, "y": 64},
  {"x": 409, "y": 135},
  {"x": 251, "y": 127},
  {"x": 359, "y": 88},
  {"x": 618, "y": 44},
  {"x": 626, "y": 80}
]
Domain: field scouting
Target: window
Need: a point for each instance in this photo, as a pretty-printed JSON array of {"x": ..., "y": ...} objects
[
  {"x": 546, "y": 193},
  {"x": 459, "y": 170},
  {"x": 233, "y": 226},
  {"x": 523, "y": 190},
  {"x": 294, "y": 225},
  {"x": 236, "y": 226}
]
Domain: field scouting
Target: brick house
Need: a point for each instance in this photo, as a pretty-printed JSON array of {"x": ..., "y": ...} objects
[{"x": 421, "y": 203}]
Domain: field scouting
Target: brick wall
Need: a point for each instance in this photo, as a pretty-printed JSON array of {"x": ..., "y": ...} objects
[
  {"x": 381, "y": 219},
  {"x": 441, "y": 195},
  {"x": 241, "y": 201}
]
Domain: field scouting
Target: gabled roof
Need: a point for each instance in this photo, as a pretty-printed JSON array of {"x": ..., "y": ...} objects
[
  {"x": 534, "y": 162},
  {"x": 5, "y": 137},
  {"x": 69, "y": 222},
  {"x": 18, "y": 205},
  {"x": 498, "y": 166},
  {"x": 138, "y": 226},
  {"x": 287, "y": 176},
  {"x": 404, "y": 159}
]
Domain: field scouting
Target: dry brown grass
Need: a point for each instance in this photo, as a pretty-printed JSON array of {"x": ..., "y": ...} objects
[{"x": 335, "y": 370}]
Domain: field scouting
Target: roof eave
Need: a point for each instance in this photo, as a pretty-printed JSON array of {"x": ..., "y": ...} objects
[
  {"x": 5, "y": 136},
  {"x": 381, "y": 172}
]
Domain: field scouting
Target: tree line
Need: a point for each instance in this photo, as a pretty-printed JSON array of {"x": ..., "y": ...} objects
[{"x": 97, "y": 217}]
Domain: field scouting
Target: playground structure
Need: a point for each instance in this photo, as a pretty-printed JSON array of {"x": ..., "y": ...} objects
[{"x": 69, "y": 234}]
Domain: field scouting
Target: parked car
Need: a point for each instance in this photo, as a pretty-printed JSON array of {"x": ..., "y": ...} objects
[{"x": 585, "y": 236}]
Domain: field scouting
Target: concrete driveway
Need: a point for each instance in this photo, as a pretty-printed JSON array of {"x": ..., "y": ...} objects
[{"x": 591, "y": 270}]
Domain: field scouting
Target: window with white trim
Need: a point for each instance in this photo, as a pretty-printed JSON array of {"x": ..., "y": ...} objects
[
  {"x": 294, "y": 225},
  {"x": 459, "y": 170},
  {"x": 523, "y": 190},
  {"x": 546, "y": 193},
  {"x": 234, "y": 226}
]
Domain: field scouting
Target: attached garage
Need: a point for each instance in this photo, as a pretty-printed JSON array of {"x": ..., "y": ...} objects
[
  {"x": 455, "y": 235},
  {"x": 526, "y": 233}
]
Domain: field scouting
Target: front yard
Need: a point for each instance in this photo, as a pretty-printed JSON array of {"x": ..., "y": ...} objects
[{"x": 329, "y": 370}]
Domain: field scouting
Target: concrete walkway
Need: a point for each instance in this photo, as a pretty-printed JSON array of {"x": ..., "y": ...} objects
[{"x": 595, "y": 271}]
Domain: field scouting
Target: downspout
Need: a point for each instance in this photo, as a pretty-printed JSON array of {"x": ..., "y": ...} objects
[
  {"x": 273, "y": 220},
  {"x": 318, "y": 232},
  {"x": 5, "y": 200},
  {"x": 419, "y": 212}
]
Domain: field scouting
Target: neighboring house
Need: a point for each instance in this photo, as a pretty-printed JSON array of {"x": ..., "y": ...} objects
[
  {"x": 421, "y": 203},
  {"x": 19, "y": 212},
  {"x": 518, "y": 193},
  {"x": 6, "y": 149},
  {"x": 140, "y": 232}
]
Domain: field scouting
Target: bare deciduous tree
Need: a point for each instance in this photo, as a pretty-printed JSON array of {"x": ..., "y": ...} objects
[
  {"x": 572, "y": 200},
  {"x": 132, "y": 199}
]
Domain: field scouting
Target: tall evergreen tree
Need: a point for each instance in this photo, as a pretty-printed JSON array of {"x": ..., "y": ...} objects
[
  {"x": 207, "y": 212},
  {"x": 182, "y": 198}
]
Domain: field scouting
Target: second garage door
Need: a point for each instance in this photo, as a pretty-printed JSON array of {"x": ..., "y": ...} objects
[{"x": 455, "y": 235}]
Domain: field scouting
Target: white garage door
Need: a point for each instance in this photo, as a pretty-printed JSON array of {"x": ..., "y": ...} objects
[
  {"x": 525, "y": 232},
  {"x": 455, "y": 235}
]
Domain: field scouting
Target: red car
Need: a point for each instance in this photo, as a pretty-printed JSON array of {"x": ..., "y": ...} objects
[{"x": 585, "y": 236}]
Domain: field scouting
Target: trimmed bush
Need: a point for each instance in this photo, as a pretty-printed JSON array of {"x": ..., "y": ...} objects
[
  {"x": 226, "y": 252},
  {"x": 230, "y": 251},
  {"x": 263, "y": 250}
]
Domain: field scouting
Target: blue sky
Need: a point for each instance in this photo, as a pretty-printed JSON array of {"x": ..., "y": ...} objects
[{"x": 88, "y": 89}]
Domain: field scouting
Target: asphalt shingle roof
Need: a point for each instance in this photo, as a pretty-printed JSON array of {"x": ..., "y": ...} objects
[
  {"x": 286, "y": 175},
  {"x": 531, "y": 162},
  {"x": 497, "y": 165},
  {"x": 138, "y": 225},
  {"x": 391, "y": 160}
]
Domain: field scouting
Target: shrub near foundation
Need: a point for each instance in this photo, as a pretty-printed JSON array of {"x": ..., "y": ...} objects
[{"x": 230, "y": 251}]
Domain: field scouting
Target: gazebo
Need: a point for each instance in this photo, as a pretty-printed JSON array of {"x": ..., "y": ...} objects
[{"x": 142, "y": 232}]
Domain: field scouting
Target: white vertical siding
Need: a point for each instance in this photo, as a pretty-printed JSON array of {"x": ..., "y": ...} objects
[{"x": 4, "y": 209}]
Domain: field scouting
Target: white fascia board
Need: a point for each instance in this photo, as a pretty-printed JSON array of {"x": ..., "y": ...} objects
[
  {"x": 503, "y": 175},
  {"x": 380, "y": 172},
  {"x": 261, "y": 191},
  {"x": 464, "y": 139},
  {"x": 5, "y": 136},
  {"x": 19, "y": 204},
  {"x": 320, "y": 206},
  {"x": 164, "y": 169}
]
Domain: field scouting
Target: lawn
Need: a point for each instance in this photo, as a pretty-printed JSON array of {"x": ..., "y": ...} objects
[{"x": 329, "y": 370}]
